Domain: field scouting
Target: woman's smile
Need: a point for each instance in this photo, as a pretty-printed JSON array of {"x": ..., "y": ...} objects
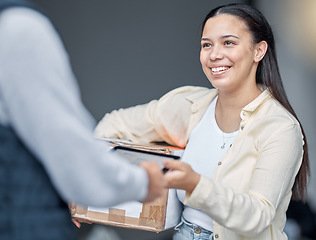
[{"x": 219, "y": 70}]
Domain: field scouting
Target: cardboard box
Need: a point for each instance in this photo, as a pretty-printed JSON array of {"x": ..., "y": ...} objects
[
  {"x": 134, "y": 215},
  {"x": 156, "y": 216}
]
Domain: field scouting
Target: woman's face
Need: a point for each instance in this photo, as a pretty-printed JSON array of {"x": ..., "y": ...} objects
[{"x": 227, "y": 55}]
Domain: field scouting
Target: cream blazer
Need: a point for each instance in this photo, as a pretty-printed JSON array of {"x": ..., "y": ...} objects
[{"x": 250, "y": 190}]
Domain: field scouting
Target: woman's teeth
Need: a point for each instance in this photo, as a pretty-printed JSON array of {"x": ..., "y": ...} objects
[{"x": 218, "y": 69}]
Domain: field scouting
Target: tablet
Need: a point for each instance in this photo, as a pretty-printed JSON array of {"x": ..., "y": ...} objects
[{"x": 137, "y": 156}]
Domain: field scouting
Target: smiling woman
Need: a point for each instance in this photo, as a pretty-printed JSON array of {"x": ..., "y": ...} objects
[
  {"x": 230, "y": 60},
  {"x": 228, "y": 54},
  {"x": 245, "y": 150}
]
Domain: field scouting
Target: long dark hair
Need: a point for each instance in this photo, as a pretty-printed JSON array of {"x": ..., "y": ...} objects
[{"x": 268, "y": 74}]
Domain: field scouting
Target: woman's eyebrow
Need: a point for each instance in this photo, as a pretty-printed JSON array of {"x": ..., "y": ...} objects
[
  {"x": 228, "y": 36},
  {"x": 225, "y": 36},
  {"x": 205, "y": 39}
]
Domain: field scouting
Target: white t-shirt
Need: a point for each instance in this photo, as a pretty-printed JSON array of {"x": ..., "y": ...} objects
[{"x": 206, "y": 147}]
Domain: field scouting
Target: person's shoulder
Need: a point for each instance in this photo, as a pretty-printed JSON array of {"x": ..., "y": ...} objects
[
  {"x": 189, "y": 92},
  {"x": 20, "y": 20},
  {"x": 279, "y": 113},
  {"x": 190, "y": 89},
  {"x": 272, "y": 117},
  {"x": 183, "y": 98}
]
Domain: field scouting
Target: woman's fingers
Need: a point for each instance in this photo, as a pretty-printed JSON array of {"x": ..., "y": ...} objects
[
  {"x": 173, "y": 164},
  {"x": 180, "y": 176}
]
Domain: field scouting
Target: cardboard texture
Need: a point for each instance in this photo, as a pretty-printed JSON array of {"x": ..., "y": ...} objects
[
  {"x": 135, "y": 215},
  {"x": 151, "y": 218}
]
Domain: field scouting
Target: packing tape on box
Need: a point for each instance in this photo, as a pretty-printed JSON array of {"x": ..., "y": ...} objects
[{"x": 152, "y": 216}]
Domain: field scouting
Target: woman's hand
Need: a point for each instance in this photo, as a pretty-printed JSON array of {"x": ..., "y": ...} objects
[{"x": 180, "y": 176}]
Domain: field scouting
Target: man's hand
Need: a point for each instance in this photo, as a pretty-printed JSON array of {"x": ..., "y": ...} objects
[
  {"x": 155, "y": 180},
  {"x": 76, "y": 221},
  {"x": 180, "y": 176}
]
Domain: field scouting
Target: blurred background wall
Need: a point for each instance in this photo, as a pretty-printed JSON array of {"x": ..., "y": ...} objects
[
  {"x": 125, "y": 53},
  {"x": 293, "y": 23}
]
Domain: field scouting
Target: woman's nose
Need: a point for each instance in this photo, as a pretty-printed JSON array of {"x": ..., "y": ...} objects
[{"x": 216, "y": 53}]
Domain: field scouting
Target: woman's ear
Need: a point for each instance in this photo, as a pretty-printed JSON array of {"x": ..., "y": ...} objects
[{"x": 260, "y": 50}]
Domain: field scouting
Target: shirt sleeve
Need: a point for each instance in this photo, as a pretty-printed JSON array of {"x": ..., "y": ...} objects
[
  {"x": 134, "y": 123},
  {"x": 166, "y": 119},
  {"x": 41, "y": 102}
]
